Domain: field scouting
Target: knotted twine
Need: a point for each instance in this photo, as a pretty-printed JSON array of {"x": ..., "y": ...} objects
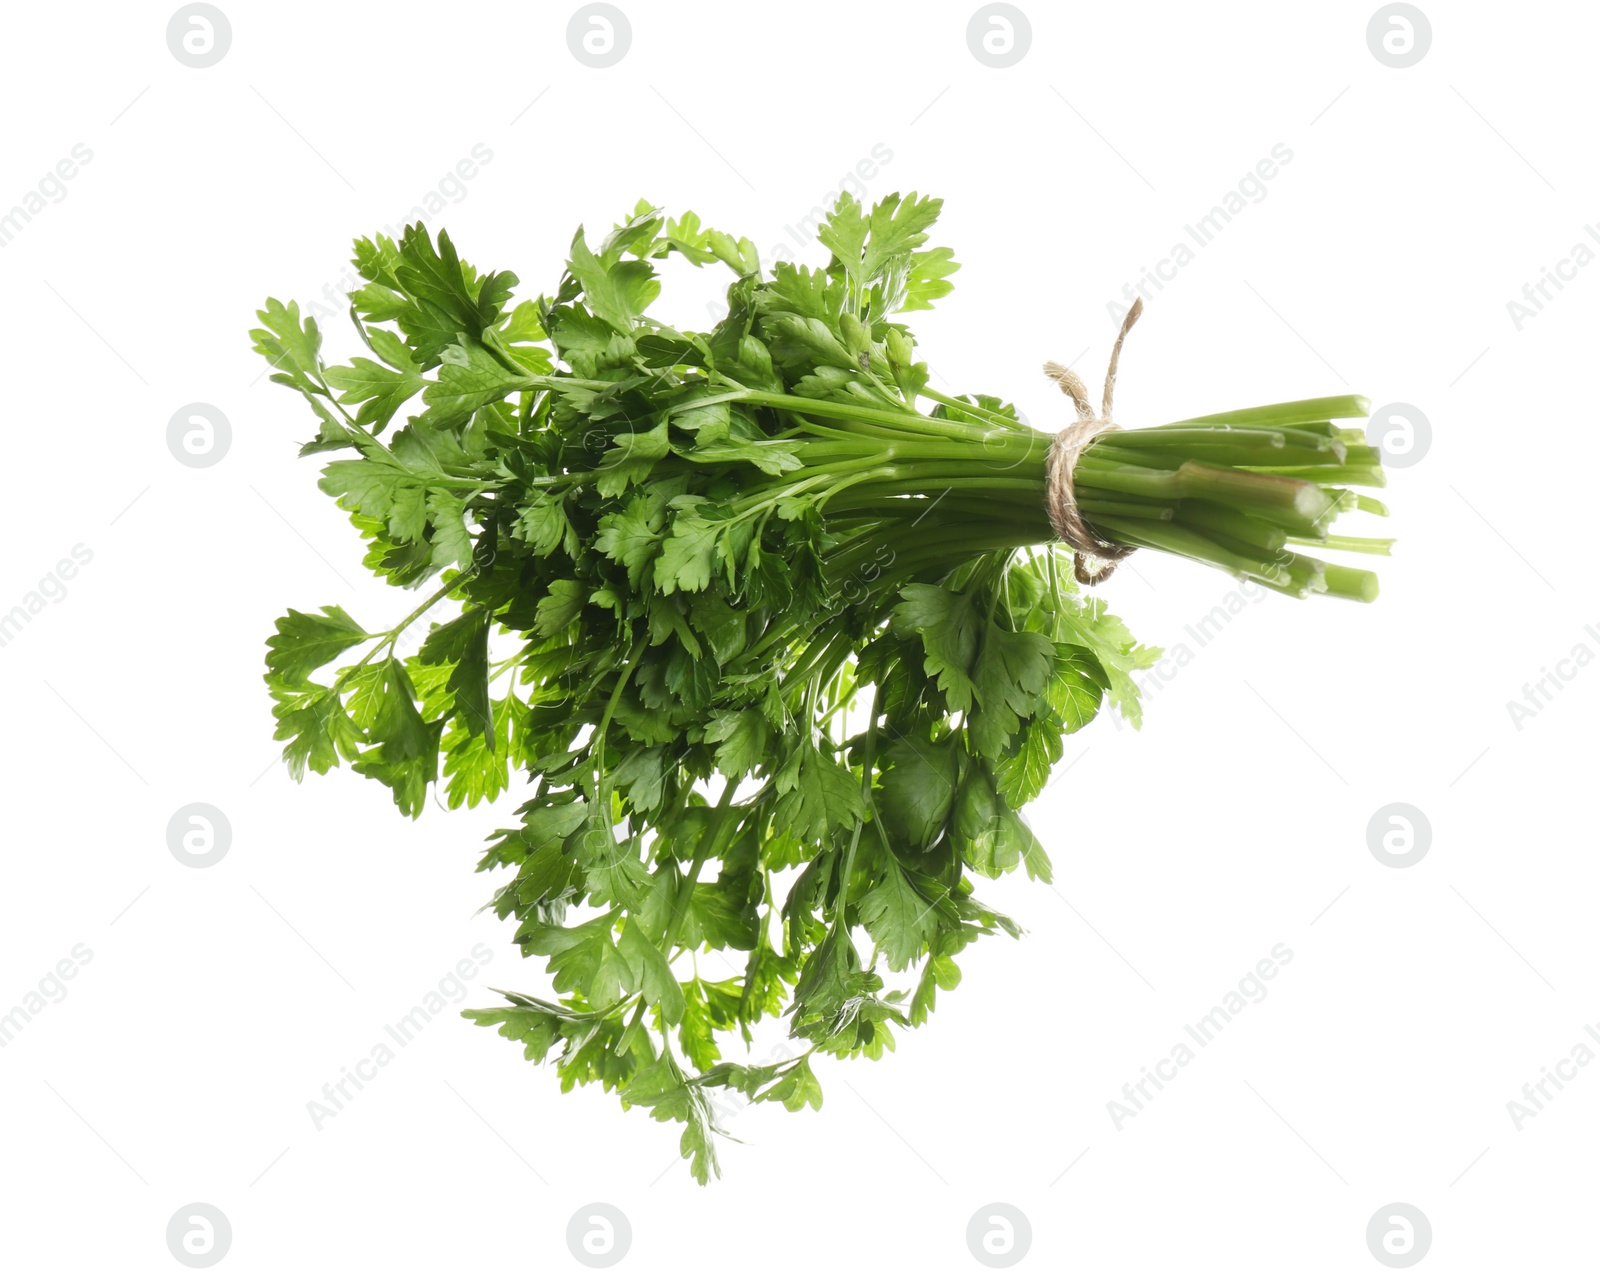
[{"x": 1093, "y": 559}]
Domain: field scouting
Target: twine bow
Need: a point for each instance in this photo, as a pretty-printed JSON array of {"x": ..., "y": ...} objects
[{"x": 1093, "y": 558}]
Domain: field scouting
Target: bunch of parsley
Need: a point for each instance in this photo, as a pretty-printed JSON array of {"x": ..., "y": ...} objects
[{"x": 773, "y": 656}]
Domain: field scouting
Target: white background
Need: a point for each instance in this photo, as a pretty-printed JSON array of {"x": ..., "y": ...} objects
[{"x": 218, "y": 1001}]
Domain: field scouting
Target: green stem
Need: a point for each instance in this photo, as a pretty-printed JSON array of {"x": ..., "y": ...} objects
[
  {"x": 906, "y": 420},
  {"x": 387, "y": 639},
  {"x": 868, "y": 763},
  {"x": 710, "y": 846},
  {"x": 970, "y": 408},
  {"x": 599, "y": 739}
]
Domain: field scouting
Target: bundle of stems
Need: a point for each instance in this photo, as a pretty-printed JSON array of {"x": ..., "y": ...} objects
[{"x": 1241, "y": 490}]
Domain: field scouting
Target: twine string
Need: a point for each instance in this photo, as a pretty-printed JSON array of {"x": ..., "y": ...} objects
[{"x": 1093, "y": 559}]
